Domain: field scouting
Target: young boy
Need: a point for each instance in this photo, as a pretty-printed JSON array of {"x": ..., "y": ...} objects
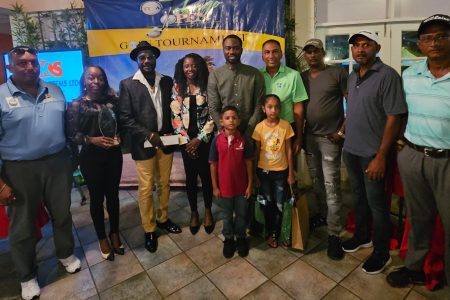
[{"x": 231, "y": 165}]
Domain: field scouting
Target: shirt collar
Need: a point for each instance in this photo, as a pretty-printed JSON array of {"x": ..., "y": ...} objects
[
  {"x": 421, "y": 68},
  {"x": 13, "y": 89},
  {"x": 237, "y": 134},
  {"x": 282, "y": 69},
  {"x": 141, "y": 78},
  {"x": 375, "y": 67}
]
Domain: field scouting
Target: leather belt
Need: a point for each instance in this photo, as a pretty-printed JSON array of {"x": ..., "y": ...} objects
[{"x": 430, "y": 152}]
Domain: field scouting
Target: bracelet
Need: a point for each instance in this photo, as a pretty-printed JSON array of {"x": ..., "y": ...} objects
[
  {"x": 151, "y": 136},
  {"x": 341, "y": 134},
  {"x": 87, "y": 140},
  {"x": 2, "y": 188}
]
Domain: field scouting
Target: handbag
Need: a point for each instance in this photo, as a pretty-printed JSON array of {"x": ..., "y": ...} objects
[
  {"x": 286, "y": 221},
  {"x": 257, "y": 217},
  {"x": 300, "y": 222}
]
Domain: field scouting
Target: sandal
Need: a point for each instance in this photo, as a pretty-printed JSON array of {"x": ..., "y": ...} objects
[
  {"x": 286, "y": 243},
  {"x": 272, "y": 240}
]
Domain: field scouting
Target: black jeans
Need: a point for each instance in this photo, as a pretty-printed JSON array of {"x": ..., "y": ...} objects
[
  {"x": 102, "y": 169},
  {"x": 370, "y": 203},
  {"x": 275, "y": 189},
  {"x": 194, "y": 168}
]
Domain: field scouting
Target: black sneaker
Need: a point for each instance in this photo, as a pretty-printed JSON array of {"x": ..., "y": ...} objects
[
  {"x": 228, "y": 248},
  {"x": 376, "y": 263},
  {"x": 334, "y": 250},
  {"x": 404, "y": 276},
  {"x": 242, "y": 247},
  {"x": 353, "y": 244}
]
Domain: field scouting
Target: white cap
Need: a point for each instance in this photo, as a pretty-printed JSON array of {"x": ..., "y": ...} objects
[{"x": 367, "y": 33}]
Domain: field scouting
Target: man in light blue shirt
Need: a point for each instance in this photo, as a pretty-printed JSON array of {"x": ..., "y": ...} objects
[
  {"x": 424, "y": 162},
  {"x": 36, "y": 166}
]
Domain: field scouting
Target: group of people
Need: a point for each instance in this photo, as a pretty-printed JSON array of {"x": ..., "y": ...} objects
[{"x": 225, "y": 140}]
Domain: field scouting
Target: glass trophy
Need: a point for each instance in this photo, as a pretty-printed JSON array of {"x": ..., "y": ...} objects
[{"x": 107, "y": 124}]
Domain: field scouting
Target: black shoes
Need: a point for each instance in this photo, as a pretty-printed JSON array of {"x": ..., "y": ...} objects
[
  {"x": 115, "y": 240},
  {"x": 334, "y": 250},
  {"x": 169, "y": 226},
  {"x": 209, "y": 219},
  {"x": 242, "y": 247},
  {"x": 194, "y": 220},
  {"x": 354, "y": 244},
  {"x": 228, "y": 248},
  {"x": 404, "y": 276},
  {"x": 151, "y": 241},
  {"x": 376, "y": 263}
]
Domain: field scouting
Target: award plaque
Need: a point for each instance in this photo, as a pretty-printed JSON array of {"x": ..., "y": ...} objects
[{"x": 107, "y": 123}]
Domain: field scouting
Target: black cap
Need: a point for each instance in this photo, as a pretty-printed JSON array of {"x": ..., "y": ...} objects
[
  {"x": 434, "y": 19},
  {"x": 144, "y": 45}
]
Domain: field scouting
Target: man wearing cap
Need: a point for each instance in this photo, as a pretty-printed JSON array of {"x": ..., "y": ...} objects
[
  {"x": 424, "y": 162},
  {"x": 287, "y": 84},
  {"x": 324, "y": 134},
  {"x": 236, "y": 84},
  {"x": 374, "y": 110},
  {"x": 36, "y": 166},
  {"x": 145, "y": 115}
]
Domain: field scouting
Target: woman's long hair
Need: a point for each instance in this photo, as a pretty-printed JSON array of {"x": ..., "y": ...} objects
[
  {"x": 202, "y": 73},
  {"x": 107, "y": 91}
]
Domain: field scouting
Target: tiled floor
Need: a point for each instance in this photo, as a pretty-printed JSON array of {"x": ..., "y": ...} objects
[{"x": 192, "y": 267}]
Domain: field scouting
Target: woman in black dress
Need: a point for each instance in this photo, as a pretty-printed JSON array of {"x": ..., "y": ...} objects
[{"x": 93, "y": 124}]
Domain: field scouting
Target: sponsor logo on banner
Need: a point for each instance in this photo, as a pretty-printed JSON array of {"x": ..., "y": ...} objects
[{"x": 151, "y": 7}]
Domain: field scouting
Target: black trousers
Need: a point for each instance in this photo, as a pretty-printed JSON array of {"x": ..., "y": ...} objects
[
  {"x": 102, "y": 169},
  {"x": 194, "y": 168}
]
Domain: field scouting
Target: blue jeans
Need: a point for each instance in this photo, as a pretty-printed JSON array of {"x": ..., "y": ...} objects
[
  {"x": 370, "y": 203},
  {"x": 274, "y": 188},
  {"x": 324, "y": 162},
  {"x": 237, "y": 225}
]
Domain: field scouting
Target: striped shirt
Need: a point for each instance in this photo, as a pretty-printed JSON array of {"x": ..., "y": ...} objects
[{"x": 428, "y": 101}]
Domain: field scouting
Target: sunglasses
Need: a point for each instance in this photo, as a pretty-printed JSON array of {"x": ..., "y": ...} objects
[{"x": 22, "y": 50}]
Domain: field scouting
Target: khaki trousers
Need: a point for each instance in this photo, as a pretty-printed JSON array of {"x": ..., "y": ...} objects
[{"x": 148, "y": 171}]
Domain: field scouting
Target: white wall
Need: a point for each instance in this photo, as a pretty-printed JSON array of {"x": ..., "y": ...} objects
[
  {"x": 41, "y": 5},
  {"x": 420, "y": 8},
  {"x": 330, "y": 11}
]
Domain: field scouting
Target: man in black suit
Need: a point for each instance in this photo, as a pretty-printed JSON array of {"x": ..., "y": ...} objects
[{"x": 145, "y": 115}]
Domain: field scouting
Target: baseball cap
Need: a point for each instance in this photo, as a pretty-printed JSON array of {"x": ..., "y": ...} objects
[
  {"x": 434, "y": 19},
  {"x": 367, "y": 33},
  {"x": 314, "y": 42}
]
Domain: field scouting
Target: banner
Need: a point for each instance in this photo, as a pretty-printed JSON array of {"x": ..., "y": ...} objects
[{"x": 114, "y": 27}]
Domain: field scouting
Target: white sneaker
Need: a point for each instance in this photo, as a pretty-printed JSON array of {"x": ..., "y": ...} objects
[
  {"x": 30, "y": 289},
  {"x": 71, "y": 263}
]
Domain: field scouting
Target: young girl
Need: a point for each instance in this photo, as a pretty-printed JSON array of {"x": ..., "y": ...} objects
[{"x": 275, "y": 166}]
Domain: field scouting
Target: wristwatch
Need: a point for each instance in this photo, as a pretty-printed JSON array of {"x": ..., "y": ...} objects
[{"x": 341, "y": 134}]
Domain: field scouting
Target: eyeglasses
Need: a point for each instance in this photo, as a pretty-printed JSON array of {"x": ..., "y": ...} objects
[
  {"x": 428, "y": 39},
  {"x": 21, "y": 50}
]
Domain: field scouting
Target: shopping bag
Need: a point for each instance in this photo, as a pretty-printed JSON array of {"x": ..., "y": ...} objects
[
  {"x": 286, "y": 221},
  {"x": 257, "y": 218},
  {"x": 259, "y": 209},
  {"x": 300, "y": 222}
]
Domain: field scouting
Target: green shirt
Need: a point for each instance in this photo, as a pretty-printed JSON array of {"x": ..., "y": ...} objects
[{"x": 288, "y": 85}]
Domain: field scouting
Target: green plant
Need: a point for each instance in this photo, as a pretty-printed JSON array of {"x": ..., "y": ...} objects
[
  {"x": 50, "y": 29},
  {"x": 25, "y": 28},
  {"x": 293, "y": 52}
]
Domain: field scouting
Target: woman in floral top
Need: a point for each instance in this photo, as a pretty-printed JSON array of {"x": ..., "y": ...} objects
[
  {"x": 191, "y": 120},
  {"x": 92, "y": 124}
]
